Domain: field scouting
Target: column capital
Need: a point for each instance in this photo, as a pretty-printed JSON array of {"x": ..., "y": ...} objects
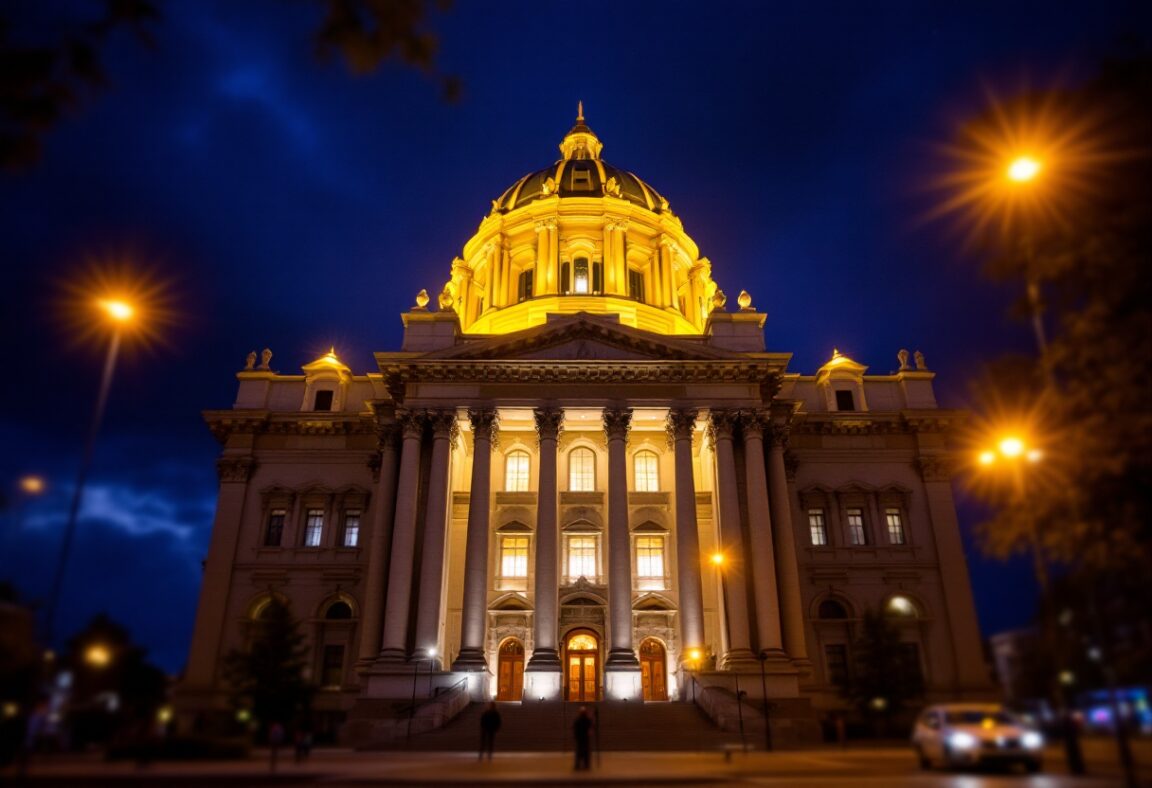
[
  {"x": 754, "y": 423},
  {"x": 485, "y": 423},
  {"x": 235, "y": 469},
  {"x": 443, "y": 423},
  {"x": 411, "y": 422},
  {"x": 681, "y": 424},
  {"x": 779, "y": 434},
  {"x": 722, "y": 424},
  {"x": 617, "y": 423},
  {"x": 549, "y": 423},
  {"x": 387, "y": 434}
]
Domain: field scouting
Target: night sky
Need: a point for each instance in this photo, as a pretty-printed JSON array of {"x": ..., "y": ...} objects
[{"x": 294, "y": 206}]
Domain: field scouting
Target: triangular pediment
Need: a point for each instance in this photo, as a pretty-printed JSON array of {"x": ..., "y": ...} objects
[{"x": 583, "y": 337}]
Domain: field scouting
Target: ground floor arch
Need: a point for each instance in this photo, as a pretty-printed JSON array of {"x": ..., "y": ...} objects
[
  {"x": 582, "y": 666},
  {"x": 510, "y": 670},
  {"x": 653, "y": 669}
]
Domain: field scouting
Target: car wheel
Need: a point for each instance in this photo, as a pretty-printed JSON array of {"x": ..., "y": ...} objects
[{"x": 925, "y": 761}]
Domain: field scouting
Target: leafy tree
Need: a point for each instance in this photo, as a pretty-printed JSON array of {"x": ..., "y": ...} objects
[
  {"x": 267, "y": 678},
  {"x": 885, "y": 675}
]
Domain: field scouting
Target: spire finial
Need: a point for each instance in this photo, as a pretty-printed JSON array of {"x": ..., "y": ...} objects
[{"x": 579, "y": 111}]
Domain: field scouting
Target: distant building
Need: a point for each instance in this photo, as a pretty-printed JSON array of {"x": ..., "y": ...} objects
[{"x": 526, "y": 497}]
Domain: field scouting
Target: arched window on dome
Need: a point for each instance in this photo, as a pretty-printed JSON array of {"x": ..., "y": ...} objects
[
  {"x": 524, "y": 285},
  {"x": 580, "y": 278},
  {"x": 635, "y": 284}
]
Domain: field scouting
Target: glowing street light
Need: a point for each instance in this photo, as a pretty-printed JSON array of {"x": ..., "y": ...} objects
[
  {"x": 1023, "y": 169},
  {"x": 717, "y": 559},
  {"x": 32, "y": 485},
  {"x": 98, "y": 656}
]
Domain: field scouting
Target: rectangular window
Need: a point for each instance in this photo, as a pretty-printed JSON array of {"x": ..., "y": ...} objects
[
  {"x": 514, "y": 556},
  {"x": 856, "y": 527},
  {"x": 650, "y": 562},
  {"x": 582, "y": 471},
  {"x": 581, "y": 180},
  {"x": 845, "y": 401},
  {"x": 580, "y": 275},
  {"x": 836, "y": 663},
  {"x": 275, "y": 531},
  {"x": 597, "y": 277},
  {"x": 524, "y": 285},
  {"x": 647, "y": 472},
  {"x": 351, "y": 529},
  {"x": 895, "y": 526},
  {"x": 582, "y": 557},
  {"x": 635, "y": 284},
  {"x": 516, "y": 472},
  {"x": 323, "y": 400},
  {"x": 817, "y": 527},
  {"x": 313, "y": 527},
  {"x": 332, "y": 671}
]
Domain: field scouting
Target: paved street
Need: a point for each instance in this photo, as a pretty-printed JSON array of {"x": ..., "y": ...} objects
[{"x": 878, "y": 766}]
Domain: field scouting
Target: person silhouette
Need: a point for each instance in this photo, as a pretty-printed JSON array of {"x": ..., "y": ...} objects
[
  {"x": 489, "y": 724},
  {"x": 582, "y": 730}
]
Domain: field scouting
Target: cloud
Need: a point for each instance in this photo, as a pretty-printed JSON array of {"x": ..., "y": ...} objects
[{"x": 132, "y": 511}]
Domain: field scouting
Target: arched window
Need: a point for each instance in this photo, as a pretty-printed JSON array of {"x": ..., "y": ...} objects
[
  {"x": 830, "y": 608},
  {"x": 516, "y": 472},
  {"x": 581, "y": 470},
  {"x": 647, "y": 471},
  {"x": 338, "y": 611},
  {"x": 580, "y": 275}
]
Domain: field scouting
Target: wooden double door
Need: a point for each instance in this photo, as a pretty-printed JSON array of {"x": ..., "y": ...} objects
[
  {"x": 582, "y": 666},
  {"x": 510, "y": 670}
]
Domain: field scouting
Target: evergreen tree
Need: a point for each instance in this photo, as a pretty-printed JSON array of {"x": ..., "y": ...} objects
[{"x": 267, "y": 678}]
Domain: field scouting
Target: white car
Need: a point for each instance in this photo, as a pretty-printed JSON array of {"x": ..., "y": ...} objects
[{"x": 968, "y": 734}]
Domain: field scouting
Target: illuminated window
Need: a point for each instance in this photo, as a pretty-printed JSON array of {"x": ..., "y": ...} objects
[
  {"x": 650, "y": 562},
  {"x": 817, "y": 527},
  {"x": 895, "y": 526},
  {"x": 647, "y": 470},
  {"x": 524, "y": 285},
  {"x": 351, "y": 529},
  {"x": 635, "y": 284},
  {"x": 597, "y": 277},
  {"x": 580, "y": 279},
  {"x": 580, "y": 557},
  {"x": 845, "y": 400},
  {"x": 514, "y": 556},
  {"x": 332, "y": 671},
  {"x": 313, "y": 527},
  {"x": 516, "y": 472},
  {"x": 581, "y": 643},
  {"x": 581, "y": 470},
  {"x": 323, "y": 400},
  {"x": 275, "y": 531},
  {"x": 856, "y": 527}
]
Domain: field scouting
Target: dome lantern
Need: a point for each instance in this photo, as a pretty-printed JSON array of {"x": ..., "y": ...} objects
[{"x": 580, "y": 142}]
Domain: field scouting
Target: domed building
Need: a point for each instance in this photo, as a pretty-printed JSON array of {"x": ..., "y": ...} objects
[{"x": 583, "y": 478}]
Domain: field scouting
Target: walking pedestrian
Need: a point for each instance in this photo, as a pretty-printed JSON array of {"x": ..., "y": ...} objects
[
  {"x": 582, "y": 729},
  {"x": 489, "y": 724}
]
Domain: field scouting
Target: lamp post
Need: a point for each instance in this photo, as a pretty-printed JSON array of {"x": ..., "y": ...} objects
[
  {"x": 763, "y": 657},
  {"x": 119, "y": 315},
  {"x": 416, "y": 660}
]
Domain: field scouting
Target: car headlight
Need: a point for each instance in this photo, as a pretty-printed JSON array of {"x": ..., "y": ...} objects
[
  {"x": 1032, "y": 740},
  {"x": 962, "y": 741}
]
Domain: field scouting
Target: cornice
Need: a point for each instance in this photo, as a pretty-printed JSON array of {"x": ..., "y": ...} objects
[
  {"x": 599, "y": 371},
  {"x": 888, "y": 423},
  {"x": 225, "y": 423}
]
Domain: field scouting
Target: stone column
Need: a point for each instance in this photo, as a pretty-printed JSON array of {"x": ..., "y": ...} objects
[
  {"x": 553, "y": 247},
  {"x": 787, "y": 570},
  {"x": 545, "y": 655},
  {"x": 681, "y": 424},
  {"x": 393, "y": 647},
  {"x": 380, "y": 538},
  {"x": 430, "y": 602},
  {"x": 760, "y": 537},
  {"x": 545, "y": 273},
  {"x": 739, "y": 653},
  {"x": 475, "y": 613},
  {"x": 621, "y": 246},
  {"x": 608, "y": 255},
  {"x": 621, "y": 657}
]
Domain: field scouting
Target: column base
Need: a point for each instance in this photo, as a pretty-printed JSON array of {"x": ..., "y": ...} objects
[
  {"x": 621, "y": 659},
  {"x": 741, "y": 659},
  {"x": 543, "y": 684},
  {"x": 622, "y": 682},
  {"x": 470, "y": 659},
  {"x": 391, "y": 658},
  {"x": 775, "y": 655},
  {"x": 546, "y": 660}
]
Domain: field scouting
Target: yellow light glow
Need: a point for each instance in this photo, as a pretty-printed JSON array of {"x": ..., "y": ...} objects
[
  {"x": 1034, "y": 455},
  {"x": 717, "y": 559},
  {"x": 9, "y": 710},
  {"x": 988, "y": 723},
  {"x": 694, "y": 655},
  {"x": 32, "y": 485},
  {"x": 1023, "y": 169},
  {"x": 987, "y": 457},
  {"x": 1067, "y": 677},
  {"x": 97, "y": 655},
  {"x": 120, "y": 311},
  {"x": 1011, "y": 447},
  {"x": 164, "y": 714}
]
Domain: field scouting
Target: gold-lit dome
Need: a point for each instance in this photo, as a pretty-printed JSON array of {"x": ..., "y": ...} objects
[{"x": 580, "y": 236}]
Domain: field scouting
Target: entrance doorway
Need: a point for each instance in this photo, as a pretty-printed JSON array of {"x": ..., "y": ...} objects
[
  {"x": 582, "y": 666},
  {"x": 510, "y": 670},
  {"x": 653, "y": 670}
]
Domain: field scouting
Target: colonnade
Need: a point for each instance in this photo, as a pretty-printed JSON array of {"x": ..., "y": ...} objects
[{"x": 774, "y": 606}]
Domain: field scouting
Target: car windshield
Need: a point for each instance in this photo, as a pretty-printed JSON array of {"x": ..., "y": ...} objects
[{"x": 973, "y": 717}]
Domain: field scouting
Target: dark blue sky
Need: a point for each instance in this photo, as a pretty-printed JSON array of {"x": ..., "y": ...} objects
[{"x": 297, "y": 207}]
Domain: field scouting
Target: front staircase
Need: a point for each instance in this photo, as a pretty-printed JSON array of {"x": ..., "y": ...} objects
[{"x": 546, "y": 726}]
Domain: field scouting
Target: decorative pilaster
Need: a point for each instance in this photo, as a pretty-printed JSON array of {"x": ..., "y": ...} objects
[
  {"x": 621, "y": 657},
  {"x": 545, "y": 655},
  {"x": 739, "y": 653},
  {"x": 430, "y": 602},
  {"x": 760, "y": 535},
  {"x": 379, "y": 540},
  {"x": 475, "y": 614},
  {"x": 681, "y": 426},
  {"x": 397, "y": 602},
  {"x": 787, "y": 570},
  {"x": 545, "y": 273}
]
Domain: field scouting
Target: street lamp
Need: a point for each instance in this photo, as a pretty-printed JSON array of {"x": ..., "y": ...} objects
[
  {"x": 416, "y": 660},
  {"x": 118, "y": 315},
  {"x": 97, "y": 656}
]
